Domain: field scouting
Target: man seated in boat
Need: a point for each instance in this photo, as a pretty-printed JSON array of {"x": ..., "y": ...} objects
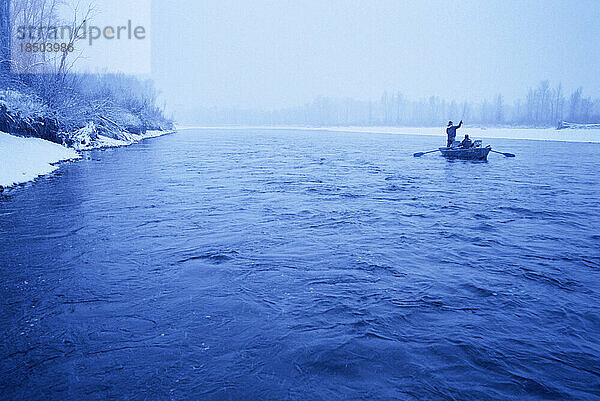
[
  {"x": 466, "y": 143},
  {"x": 451, "y": 131}
]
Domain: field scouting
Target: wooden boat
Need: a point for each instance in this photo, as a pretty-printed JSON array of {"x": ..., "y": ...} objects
[{"x": 474, "y": 153}]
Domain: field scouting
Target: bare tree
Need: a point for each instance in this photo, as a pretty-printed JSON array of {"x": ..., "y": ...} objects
[
  {"x": 499, "y": 109},
  {"x": 4, "y": 40},
  {"x": 558, "y": 104},
  {"x": 575, "y": 105},
  {"x": 31, "y": 22},
  {"x": 78, "y": 22},
  {"x": 39, "y": 22}
]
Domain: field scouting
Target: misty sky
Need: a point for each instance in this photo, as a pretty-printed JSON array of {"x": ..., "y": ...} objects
[{"x": 271, "y": 54}]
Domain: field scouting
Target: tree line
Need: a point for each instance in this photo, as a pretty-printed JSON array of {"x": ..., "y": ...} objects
[{"x": 543, "y": 106}]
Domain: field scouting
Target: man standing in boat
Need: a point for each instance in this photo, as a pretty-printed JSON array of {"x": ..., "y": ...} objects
[{"x": 451, "y": 131}]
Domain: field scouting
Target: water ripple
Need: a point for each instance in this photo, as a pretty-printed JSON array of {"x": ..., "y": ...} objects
[{"x": 303, "y": 265}]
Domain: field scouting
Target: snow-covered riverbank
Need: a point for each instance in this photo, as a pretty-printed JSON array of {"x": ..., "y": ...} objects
[
  {"x": 24, "y": 159},
  {"x": 87, "y": 138}
]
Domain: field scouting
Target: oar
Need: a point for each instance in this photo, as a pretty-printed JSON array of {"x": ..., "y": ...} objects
[
  {"x": 505, "y": 154},
  {"x": 419, "y": 154}
]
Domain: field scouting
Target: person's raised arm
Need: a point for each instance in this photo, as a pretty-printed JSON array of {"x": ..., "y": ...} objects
[{"x": 459, "y": 124}]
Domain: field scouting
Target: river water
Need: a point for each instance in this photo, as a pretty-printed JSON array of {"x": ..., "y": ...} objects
[{"x": 259, "y": 265}]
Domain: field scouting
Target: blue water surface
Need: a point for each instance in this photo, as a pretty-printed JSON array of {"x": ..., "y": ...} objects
[{"x": 294, "y": 265}]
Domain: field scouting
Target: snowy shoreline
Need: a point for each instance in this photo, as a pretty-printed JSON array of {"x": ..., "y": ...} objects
[
  {"x": 23, "y": 159},
  {"x": 535, "y": 134}
]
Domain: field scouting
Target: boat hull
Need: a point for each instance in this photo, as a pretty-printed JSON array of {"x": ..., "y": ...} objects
[{"x": 466, "y": 154}]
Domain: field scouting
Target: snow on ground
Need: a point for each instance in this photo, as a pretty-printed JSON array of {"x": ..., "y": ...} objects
[
  {"x": 24, "y": 159},
  {"x": 88, "y": 138},
  {"x": 539, "y": 134},
  {"x": 128, "y": 139}
]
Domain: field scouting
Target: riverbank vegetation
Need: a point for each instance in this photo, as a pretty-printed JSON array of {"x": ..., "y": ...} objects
[{"x": 41, "y": 97}]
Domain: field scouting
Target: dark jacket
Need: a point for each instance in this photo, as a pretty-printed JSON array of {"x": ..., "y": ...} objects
[
  {"x": 466, "y": 143},
  {"x": 451, "y": 131}
]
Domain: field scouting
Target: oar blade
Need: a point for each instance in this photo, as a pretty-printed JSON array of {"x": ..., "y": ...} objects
[
  {"x": 419, "y": 154},
  {"x": 504, "y": 154}
]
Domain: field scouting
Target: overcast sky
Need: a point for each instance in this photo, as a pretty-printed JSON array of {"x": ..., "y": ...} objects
[{"x": 271, "y": 54}]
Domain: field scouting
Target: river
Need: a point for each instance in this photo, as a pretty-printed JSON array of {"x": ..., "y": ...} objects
[{"x": 284, "y": 264}]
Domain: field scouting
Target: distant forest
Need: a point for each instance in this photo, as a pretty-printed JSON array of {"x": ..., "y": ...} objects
[{"x": 544, "y": 106}]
